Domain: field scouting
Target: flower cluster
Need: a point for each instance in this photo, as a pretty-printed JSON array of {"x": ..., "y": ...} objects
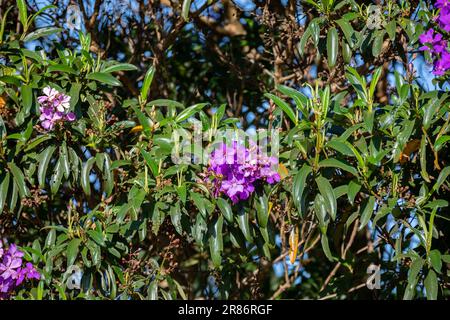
[
  {"x": 12, "y": 271},
  {"x": 54, "y": 107},
  {"x": 435, "y": 43},
  {"x": 236, "y": 170}
]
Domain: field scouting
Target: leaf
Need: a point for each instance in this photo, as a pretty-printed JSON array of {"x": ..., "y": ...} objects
[
  {"x": 423, "y": 159},
  {"x": 262, "y": 211},
  {"x": 23, "y": 16},
  {"x": 374, "y": 81},
  {"x": 27, "y": 98},
  {"x": 143, "y": 120},
  {"x": 391, "y": 29},
  {"x": 72, "y": 251},
  {"x": 346, "y": 52},
  {"x": 326, "y": 247},
  {"x": 332, "y": 47},
  {"x": 347, "y": 30},
  {"x": 152, "y": 164},
  {"x": 326, "y": 190},
  {"x": 97, "y": 236},
  {"x": 225, "y": 208},
  {"x": 299, "y": 185},
  {"x": 430, "y": 110},
  {"x": 377, "y": 44},
  {"x": 105, "y": 78},
  {"x": 366, "y": 211},
  {"x": 175, "y": 217},
  {"x": 42, "y": 32},
  {"x": 335, "y": 163},
  {"x": 189, "y": 112},
  {"x": 152, "y": 291},
  {"x": 216, "y": 241},
  {"x": 242, "y": 219},
  {"x": 119, "y": 67},
  {"x": 85, "y": 176},
  {"x": 55, "y": 180},
  {"x": 441, "y": 178},
  {"x": 431, "y": 285},
  {"x": 19, "y": 178},
  {"x": 147, "y": 83},
  {"x": 353, "y": 189},
  {"x": 283, "y": 106},
  {"x": 185, "y": 9},
  {"x": 440, "y": 142},
  {"x": 436, "y": 261},
  {"x": 416, "y": 266},
  {"x": 61, "y": 68},
  {"x": 4, "y": 186}
]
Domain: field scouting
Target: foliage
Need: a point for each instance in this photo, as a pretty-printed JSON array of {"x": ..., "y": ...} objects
[{"x": 364, "y": 177}]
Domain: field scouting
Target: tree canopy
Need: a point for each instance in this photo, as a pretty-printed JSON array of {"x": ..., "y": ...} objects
[{"x": 233, "y": 149}]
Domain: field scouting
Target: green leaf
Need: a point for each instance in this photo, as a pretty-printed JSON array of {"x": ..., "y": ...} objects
[
  {"x": 436, "y": 261},
  {"x": 97, "y": 236},
  {"x": 414, "y": 270},
  {"x": 441, "y": 178},
  {"x": 225, "y": 208},
  {"x": 335, "y": 163},
  {"x": 105, "y": 78},
  {"x": 42, "y": 32},
  {"x": 346, "y": 52},
  {"x": 326, "y": 190},
  {"x": 326, "y": 247},
  {"x": 85, "y": 175},
  {"x": 27, "y": 98},
  {"x": 299, "y": 185},
  {"x": 262, "y": 211},
  {"x": 72, "y": 251},
  {"x": 175, "y": 217},
  {"x": 19, "y": 178},
  {"x": 151, "y": 162},
  {"x": 431, "y": 285},
  {"x": 430, "y": 110},
  {"x": 332, "y": 47},
  {"x": 374, "y": 81},
  {"x": 391, "y": 29},
  {"x": 23, "y": 15},
  {"x": 440, "y": 142},
  {"x": 185, "y": 9},
  {"x": 242, "y": 219},
  {"x": 353, "y": 189},
  {"x": 347, "y": 30},
  {"x": 4, "y": 186},
  {"x": 189, "y": 112},
  {"x": 283, "y": 106},
  {"x": 377, "y": 44},
  {"x": 119, "y": 67},
  {"x": 366, "y": 211},
  {"x": 61, "y": 68},
  {"x": 147, "y": 83},
  {"x": 216, "y": 241},
  {"x": 152, "y": 291},
  {"x": 55, "y": 180}
]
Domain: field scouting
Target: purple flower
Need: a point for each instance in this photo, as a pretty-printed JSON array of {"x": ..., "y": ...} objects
[
  {"x": 12, "y": 273},
  {"x": 442, "y": 4},
  {"x": 54, "y": 108},
  {"x": 11, "y": 261},
  {"x": 235, "y": 169},
  {"x": 444, "y": 20},
  {"x": 442, "y": 65}
]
